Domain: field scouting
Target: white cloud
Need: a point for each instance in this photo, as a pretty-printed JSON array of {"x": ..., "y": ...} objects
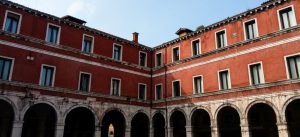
[{"x": 81, "y": 7}]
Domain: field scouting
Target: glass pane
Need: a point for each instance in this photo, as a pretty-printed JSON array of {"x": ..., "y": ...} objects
[
  {"x": 43, "y": 76},
  {"x": 5, "y": 69},
  {"x": 224, "y": 80},
  {"x": 176, "y": 89},
  {"x": 292, "y": 18},
  {"x": 1, "y": 68},
  {"x": 14, "y": 26},
  {"x": 142, "y": 90},
  {"x": 8, "y": 24},
  {"x": 292, "y": 68},
  {"x": 158, "y": 59},
  {"x": 158, "y": 92},
  {"x": 285, "y": 20}
]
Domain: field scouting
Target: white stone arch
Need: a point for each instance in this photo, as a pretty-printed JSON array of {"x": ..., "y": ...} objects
[
  {"x": 227, "y": 105},
  {"x": 81, "y": 106},
  {"x": 182, "y": 111},
  {"x": 139, "y": 111},
  {"x": 285, "y": 105},
  {"x": 14, "y": 107},
  {"x": 51, "y": 104},
  {"x": 203, "y": 108},
  {"x": 270, "y": 104},
  {"x": 114, "y": 109}
]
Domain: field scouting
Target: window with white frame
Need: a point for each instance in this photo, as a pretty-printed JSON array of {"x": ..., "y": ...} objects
[
  {"x": 256, "y": 74},
  {"x": 5, "y": 68},
  {"x": 176, "y": 54},
  {"x": 53, "y": 33},
  {"x": 287, "y": 18},
  {"x": 47, "y": 76},
  {"x": 142, "y": 92},
  {"x": 197, "y": 84},
  {"x": 85, "y": 81},
  {"x": 158, "y": 92},
  {"x": 12, "y": 22},
  {"x": 117, "y": 52},
  {"x": 176, "y": 88},
  {"x": 221, "y": 39},
  {"x": 224, "y": 80},
  {"x": 115, "y": 87},
  {"x": 158, "y": 59},
  {"x": 196, "y": 47},
  {"x": 293, "y": 66},
  {"x": 143, "y": 59},
  {"x": 251, "y": 30},
  {"x": 87, "y": 44}
]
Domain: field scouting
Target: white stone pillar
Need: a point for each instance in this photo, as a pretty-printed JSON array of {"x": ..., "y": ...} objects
[
  {"x": 282, "y": 130},
  {"x": 59, "y": 130},
  {"x": 127, "y": 131},
  {"x": 245, "y": 127},
  {"x": 188, "y": 131},
  {"x": 170, "y": 131},
  {"x": 97, "y": 131},
  {"x": 151, "y": 132},
  {"x": 214, "y": 131},
  {"x": 17, "y": 129}
]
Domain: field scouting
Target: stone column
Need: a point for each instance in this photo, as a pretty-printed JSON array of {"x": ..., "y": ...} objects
[
  {"x": 151, "y": 132},
  {"x": 17, "y": 129},
  {"x": 245, "y": 127},
  {"x": 188, "y": 131},
  {"x": 127, "y": 131},
  {"x": 214, "y": 131},
  {"x": 97, "y": 131},
  {"x": 282, "y": 129},
  {"x": 59, "y": 130},
  {"x": 170, "y": 131}
]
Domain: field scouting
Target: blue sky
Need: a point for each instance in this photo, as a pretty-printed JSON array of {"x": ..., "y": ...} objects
[{"x": 155, "y": 20}]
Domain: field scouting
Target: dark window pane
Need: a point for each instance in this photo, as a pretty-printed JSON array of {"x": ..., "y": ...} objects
[
  {"x": 143, "y": 59},
  {"x": 251, "y": 30},
  {"x": 47, "y": 76},
  {"x": 84, "y": 82},
  {"x": 142, "y": 92},
  {"x": 116, "y": 87},
  {"x": 117, "y": 52},
  {"x": 224, "y": 80},
  {"x": 87, "y": 44},
  {"x": 176, "y": 54},
  {"x": 221, "y": 39},
  {"x": 198, "y": 85},
  {"x": 5, "y": 68},
  {"x": 287, "y": 18},
  {"x": 158, "y": 59},
  {"x": 196, "y": 47},
  {"x": 255, "y": 71},
  {"x": 52, "y": 35},
  {"x": 12, "y": 22},
  {"x": 176, "y": 88},
  {"x": 293, "y": 66},
  {"x": 158, "y": 92}
]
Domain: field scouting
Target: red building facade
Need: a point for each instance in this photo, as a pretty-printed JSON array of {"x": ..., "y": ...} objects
[{"x": 238, "y": 77}]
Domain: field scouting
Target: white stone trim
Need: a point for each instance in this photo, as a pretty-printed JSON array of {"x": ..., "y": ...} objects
[
  {"x": 20, "y": 20},
  {"x": 278, "y": 15},
  {"x": 58, "y": 33},
  {"x": 245, "y": 31},
  {"x": 41, "y": 51},
  {"x": 236, "y": 54}
]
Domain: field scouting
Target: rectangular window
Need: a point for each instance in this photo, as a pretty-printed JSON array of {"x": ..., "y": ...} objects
[
  {"x": 287, "y": 18},
  {"x": 143, "y": 59},
  {"x": 12, "y": 22},
  {"x": 196, "y": 47},
  {"x": 117, "y": 52},
  {"x": 176, "y": 53},
  {"x": 53, "y": 34},
  {"x": 5, "y": 68},
  {"x": 176, "y": 89},
  {"x": 198, "y": 84},
  {"x": 158, "y": 92},
  {"x": 256, "y": 74},
  {"x": 142, "y": 92},
  {"x": 221, "y": 39},
  {"x": 224, "y": 80},
  {"x": 293, "y": 64},
  {"x": 251, "y": 29},
  {"x": 85, "y": 80},
  {"x": 158, "y": 59},
  {"x": 87, "y": 46},
  {"x": 47, "y": 76},
  {"x": 115, "y": 87}
]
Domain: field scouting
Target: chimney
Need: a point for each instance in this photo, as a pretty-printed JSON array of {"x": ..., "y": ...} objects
[{"x": 135, "y": 37}]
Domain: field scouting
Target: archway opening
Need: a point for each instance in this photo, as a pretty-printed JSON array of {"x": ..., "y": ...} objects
[
  {"x": 158, "y": 125},
  {"x": 6, "y": 119},
  {"x": 39, "y": 121},
  {"x": 201, "y": 124},
  {"x": 229, "y": 122},
  {"x": 178, "y": 123},
  {"x": 262, "y": 121},
  {"x": 292, "y": 114},
  {"x": 140, "y": 125},
  {"x": 115, "y": 118},
  {"x": 80, "y": 122}
]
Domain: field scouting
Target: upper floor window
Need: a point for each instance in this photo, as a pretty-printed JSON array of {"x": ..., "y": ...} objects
[
  {"x": 196, "y": 47},
  {"x": 142, "y": 91},
  {"x": 158, "y": 92},
  {"x": 53, "y": 34},
  {"x": 287, "y": 17},
  {"x": 12, "y": 22},
  {"x": 143, "y": 59},
  {"x": 198, "y": 85},
  {"x": 176, "y": 88},
  {"x": 158, "y": 59},
  {"x": 47, "y": 75},
  {"x": 221, "y": 39},
  {"x": 115, "y": 87},
  {"x": 5, "y": 68},
  {"x": 250, "y": 28},
  {"x": 256, "y": 74},
  {"x": 117, "y": 52},
  {"x": 87, "y": 44},
  {"x": 224, "y": 80},
  {"x": 176, "y": 54},
  {"x": 85, "y": 81},
  {"x": 293, "y": 66}
]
